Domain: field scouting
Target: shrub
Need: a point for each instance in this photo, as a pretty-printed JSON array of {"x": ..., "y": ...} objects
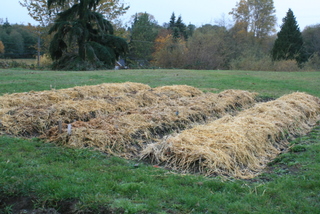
[
  {"x": 313, "y": 63},
  {"x": 45, "y": 61},
  {"x": 264, "y": 63},
  {"x": 15, "y": 64},
  {"x": 252, "y": 62},
  {"x": 286, "y": 65}
]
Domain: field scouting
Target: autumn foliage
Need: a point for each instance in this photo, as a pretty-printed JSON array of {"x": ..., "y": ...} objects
[
  {"x": 249, "y": 43},
  {"x": 1, "y": 47},
  {"x": 169, "y": 52}
]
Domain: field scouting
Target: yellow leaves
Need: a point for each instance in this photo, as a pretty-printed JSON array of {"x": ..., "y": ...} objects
[
  {"x": 241, "y": 11},
  {"x": 1, "y": 47},
  {"x": 258, "y": 16},
  {"x": 161, "y": 41},
  {"x": 112, "y": 9},
  {"x": 38, "y": 9},
  {"x": 169, "y": 53}
]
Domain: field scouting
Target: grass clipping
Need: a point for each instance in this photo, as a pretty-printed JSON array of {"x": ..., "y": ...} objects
[{"x": 238, "y": 146}]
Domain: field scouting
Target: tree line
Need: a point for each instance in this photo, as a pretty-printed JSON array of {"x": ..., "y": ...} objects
[
  {"x": 251, "y": 43},
  {"x": 85, "y": 35},
  {"x": 17, "y": 41}
]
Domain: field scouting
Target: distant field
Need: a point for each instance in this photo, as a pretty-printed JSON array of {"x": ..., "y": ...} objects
[{"x": 27, "y": 61}]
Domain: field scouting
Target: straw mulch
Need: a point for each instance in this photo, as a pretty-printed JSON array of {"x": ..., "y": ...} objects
[
  {"x": 125, "y": 133},
  {"x": 118, "y": 118},
  {"x": 45, "y": 98},
  {"x": 32, "y": 113},
  {"x": 238, "y": 146}
]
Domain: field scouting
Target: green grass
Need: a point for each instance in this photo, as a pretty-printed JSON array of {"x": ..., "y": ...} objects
[
  {"x": 273, "y": 84},
  {"x": 77, "y": 180},
  {"x": 92, "y": 180}
]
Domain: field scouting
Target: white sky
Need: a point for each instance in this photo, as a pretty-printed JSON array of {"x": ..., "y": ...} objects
[{"x": 196, "y": 12}]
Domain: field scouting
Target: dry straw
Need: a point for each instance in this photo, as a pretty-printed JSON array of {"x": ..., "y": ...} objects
[
  {"x": 45, "y": 98},
  {"x": 33, "y": 113},
  {"x": 238, "y": 146},
  {"x": 125, "y": 133},
  {"x": 118, "y": 118}
]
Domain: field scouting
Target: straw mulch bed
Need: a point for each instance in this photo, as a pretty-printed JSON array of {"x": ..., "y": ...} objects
[
  {"x": 32, "y": 113},
  {"x": 125, "y": 133},
  {"x": 238, "y": 146},
  {"x": 45, "y": 98},
  {"x": 117, "y": 118}
]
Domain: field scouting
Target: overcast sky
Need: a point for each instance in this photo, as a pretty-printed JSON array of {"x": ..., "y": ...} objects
[{"x": 198, "y": 12}]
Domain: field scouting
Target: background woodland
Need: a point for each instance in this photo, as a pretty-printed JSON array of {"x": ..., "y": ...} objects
[{"x": 245, "y": 43}]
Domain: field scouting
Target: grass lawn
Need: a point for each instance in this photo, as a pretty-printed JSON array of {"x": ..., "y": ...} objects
[
  {"x": 273, "y": 84},
  {"x": 48, "y": 178}
]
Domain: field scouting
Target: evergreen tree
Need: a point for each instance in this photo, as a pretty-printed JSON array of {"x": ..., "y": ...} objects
[
  {"x": 172, "y": 22},
  {"x": 190, "y": 30},
  {"x": 30, "y": 40},
  {"x": 175, "y": 33},
  {"x": 182, "y": 28},
  {"x": 144, "y": 31},
  {"x": 177, "y": 28},
  {"x": 18, "y": 43},
  {"x": 83, "y": 39},
  {"x": 7, "y": 27},
  {"x": 289, "y": 44}
]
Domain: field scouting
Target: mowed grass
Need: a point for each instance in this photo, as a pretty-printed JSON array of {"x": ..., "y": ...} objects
[
  {"x": 78, "y": 180},
  {"x": 273, "y": 84}
]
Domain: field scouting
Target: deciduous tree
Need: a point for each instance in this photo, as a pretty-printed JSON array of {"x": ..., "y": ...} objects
[
  {"x": 2, "y": 48},
  {"x": 170, "y": 53},
  {"x": 311, "y": 38},
  {"x": 208, "y": 48},
  {"x": 255, "y": 16},
  {"x": 38, "y": 10}
]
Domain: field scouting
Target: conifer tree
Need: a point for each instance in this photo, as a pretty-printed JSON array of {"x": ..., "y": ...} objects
[
  {"x": 7, "y": 27},
  {"x": 144, "y": 31},
  {"x": 177, "y": 28},
  {"x": 289, "y": 44},
  {"x": 83, "y": 39},
  {"x": 182, "y": 28},
  {"x": 172, "y": 22}
]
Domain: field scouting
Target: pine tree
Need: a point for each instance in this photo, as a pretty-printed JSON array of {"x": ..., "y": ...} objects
[
  {"x": 172, "y": 22},
  {"x": 182, "y": 28},
  {"x": 7, "y": 27},
  {"x": 289, "y": 44},
  {"x": 177, "y": 28}
]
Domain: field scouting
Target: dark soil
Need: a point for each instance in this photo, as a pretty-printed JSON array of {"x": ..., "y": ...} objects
[{"x": 26, "y": 205}]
